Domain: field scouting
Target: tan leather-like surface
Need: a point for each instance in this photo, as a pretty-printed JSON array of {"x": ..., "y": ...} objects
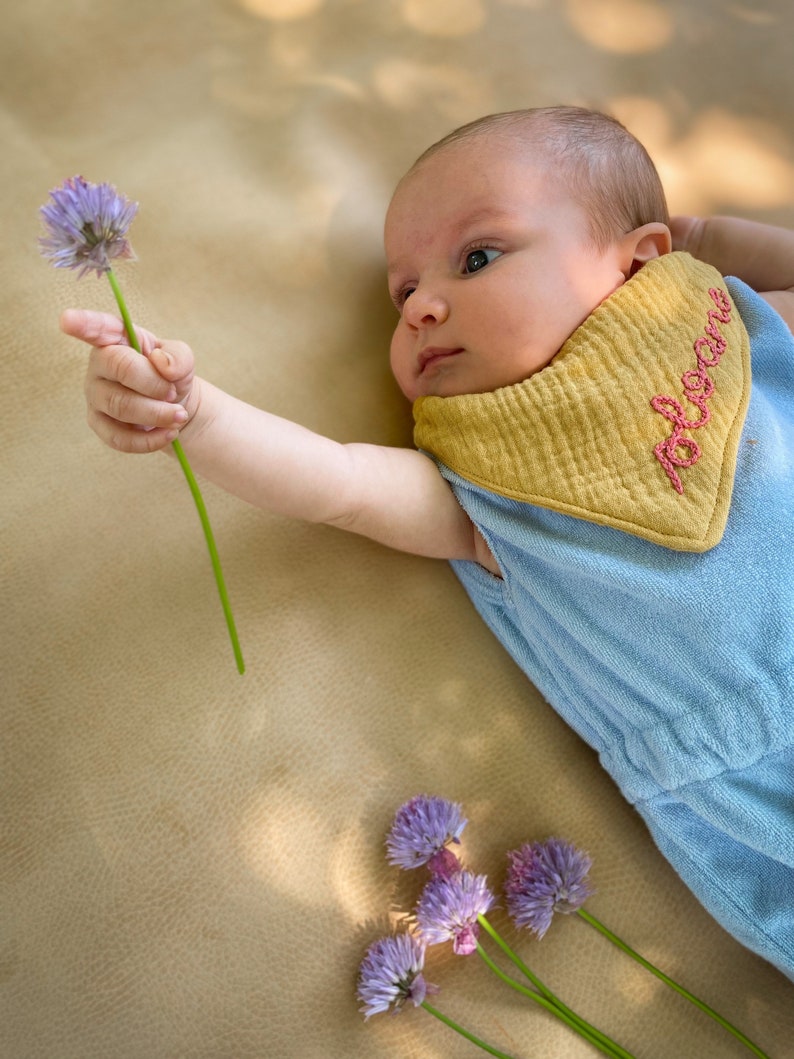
[{"x": 192, "y": 861}]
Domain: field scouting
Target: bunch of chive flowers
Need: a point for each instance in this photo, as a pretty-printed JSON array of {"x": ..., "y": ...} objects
[
  {"x": 542, "y": 879},
  {"x": 86, "y": 228}
]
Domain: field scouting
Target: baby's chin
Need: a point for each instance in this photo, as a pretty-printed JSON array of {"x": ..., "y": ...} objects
[
  {"x": 448, "y": 380},
  {"x": 450, "y": 391}
]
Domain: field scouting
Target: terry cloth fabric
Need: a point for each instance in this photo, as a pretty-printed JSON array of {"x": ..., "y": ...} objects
[
  {"x": 676, "y": 666},
  {"x": 636, "y": 422}
]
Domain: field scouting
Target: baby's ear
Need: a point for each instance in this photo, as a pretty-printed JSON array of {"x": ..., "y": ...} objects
[{"x": 645, "y": 243}]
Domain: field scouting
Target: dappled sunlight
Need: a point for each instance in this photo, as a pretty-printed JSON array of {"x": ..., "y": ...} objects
[
  {"x": 266, "y": 73},
  {"x": 304, "y": 239},
  {"x": 721, "y": 162},
  {"x": 736, "y": 159},
  {"x": 342, "y": 86},
  {"x": 292, "y": 859},
  {"x": 634, "y": 983},
  {"x": 760, "y": 1009},
  {"x": 647, "y": 118},
  {"x": 281, "y": 10},
  {"x": 453, "y": 691},
  {"x": 406, "y": 84},
  {"x": 718, "y": 157},
  {"x": 531, "y": 5},
  {"x": 622, "y": 26},
  {"x": 293, "y": 843},
  {"x": 753, "y": 16},
  {"x": 289, "y": 54},
  {"x": 473, "y": 744},
  {"x": 444, "y": 18},
  {"x": 299, "y": 63},
  {"x": 351, "y": 880}
]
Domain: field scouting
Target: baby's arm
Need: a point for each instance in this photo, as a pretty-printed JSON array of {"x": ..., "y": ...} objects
[
  {"x": 395, "y": 496},
  {"x": 760, "y": 254},
  {"x": 141, "y": 403}
]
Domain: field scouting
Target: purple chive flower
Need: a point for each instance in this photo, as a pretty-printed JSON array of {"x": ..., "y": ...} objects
[
  {"x": 391, "y": 973},
  {"x": 86, "y": 224},
  {"x": 420, "y": 833},
  {"x": 449, "y": 907},
  {"x": 544, "y": 878}
]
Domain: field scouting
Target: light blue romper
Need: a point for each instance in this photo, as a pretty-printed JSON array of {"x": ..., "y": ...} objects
[{"x": 677, "y": 667}]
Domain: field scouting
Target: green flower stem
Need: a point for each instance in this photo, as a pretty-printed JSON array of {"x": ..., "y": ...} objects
[
  {"x": 614, "y": 1048},
  {"x": 194, "y": 490},
  {"x": 669, "y": 981},
  {"x": 125, "y": 315},
  {"x": 565, "y": 1015},
  {"x": 464, "y": 1033}
]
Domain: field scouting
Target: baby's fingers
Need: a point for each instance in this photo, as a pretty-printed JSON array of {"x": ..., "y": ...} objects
[
  {"x": 126, "y": 437},
  {"x": 123, "y": 366},
  {"x": 102, "y": 329},
  {"x": 175, "y": 362},
  {"x": 127, "y": 407},
  {"x": 131, "y": 407}
]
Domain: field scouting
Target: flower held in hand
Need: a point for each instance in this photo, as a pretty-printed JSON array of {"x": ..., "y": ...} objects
[{"x": 86, "y": 226}]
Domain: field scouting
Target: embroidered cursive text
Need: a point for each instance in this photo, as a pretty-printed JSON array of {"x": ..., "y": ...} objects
[{"x": 679, "y": 450}]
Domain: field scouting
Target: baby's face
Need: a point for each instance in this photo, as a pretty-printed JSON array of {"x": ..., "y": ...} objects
[{"x": 491, "y": 268}]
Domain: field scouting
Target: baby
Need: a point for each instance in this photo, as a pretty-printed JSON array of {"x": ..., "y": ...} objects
[{"x": 614, "y": 497}]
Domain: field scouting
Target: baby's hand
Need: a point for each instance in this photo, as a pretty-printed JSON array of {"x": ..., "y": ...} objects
[{"x": 136, "y": 403}]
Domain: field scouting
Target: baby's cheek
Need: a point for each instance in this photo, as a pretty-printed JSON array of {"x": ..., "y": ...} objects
[{"x": 400, "y": 362}]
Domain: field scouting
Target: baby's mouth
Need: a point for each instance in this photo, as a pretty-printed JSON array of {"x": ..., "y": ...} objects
[{"x": 432, "y": 355}]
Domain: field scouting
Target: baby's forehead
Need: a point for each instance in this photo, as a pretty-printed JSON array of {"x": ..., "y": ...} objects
[
  {"x": 477, "y": 172},
  {"x": 488, "y": 146}
]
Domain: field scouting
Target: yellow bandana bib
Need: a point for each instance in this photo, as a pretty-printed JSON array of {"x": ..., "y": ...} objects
[{"x": 635, "y": 424}]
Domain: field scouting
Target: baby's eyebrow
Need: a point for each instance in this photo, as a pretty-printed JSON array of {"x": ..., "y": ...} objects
[{"x": 487, "y": 214}]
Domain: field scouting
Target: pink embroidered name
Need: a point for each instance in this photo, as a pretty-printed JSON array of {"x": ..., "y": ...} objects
[{"x": 678, "y": 450}]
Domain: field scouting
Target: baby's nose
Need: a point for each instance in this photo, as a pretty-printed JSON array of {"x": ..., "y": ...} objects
[{"x": 425, "y": 308}]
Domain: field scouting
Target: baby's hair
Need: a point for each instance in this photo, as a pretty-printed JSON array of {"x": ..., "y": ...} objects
[{"x": 608, "y": 171}]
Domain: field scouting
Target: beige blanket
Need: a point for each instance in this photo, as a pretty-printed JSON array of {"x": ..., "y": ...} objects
[{"x": 193, "y": 861}]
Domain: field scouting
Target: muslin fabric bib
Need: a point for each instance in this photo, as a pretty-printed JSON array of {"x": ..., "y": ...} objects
[{"x": 636, "y": 422}]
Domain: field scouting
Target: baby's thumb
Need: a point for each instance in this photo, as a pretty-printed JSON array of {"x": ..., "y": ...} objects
[{"x": 174, "y": 361}]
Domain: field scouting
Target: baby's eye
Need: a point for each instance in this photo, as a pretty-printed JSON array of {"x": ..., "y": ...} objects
[
  {"x": 401, "y": 296},
  {"x": 477, "y": 259}
]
